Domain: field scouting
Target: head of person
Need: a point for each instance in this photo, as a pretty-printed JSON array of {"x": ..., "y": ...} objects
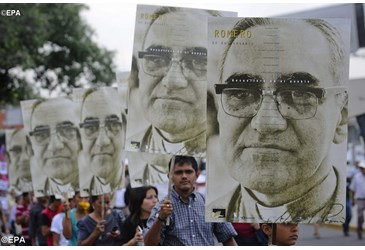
[
  {"x": 285, "y": 234},
  {"x": 184, "y": 174},
  {"x": 96, "y": 203},
  {"x": 102, "y": 132},
  {"x": 55, "y": 138},
  {"x": 26, "y": 197},
  {"x": 18, "y": 155},
  {"x": 172, "y": 74},
  {"x": 282, "y": 104},
  {"x": 54, "y": 202},
  {"x": 362, "y": 167},
  {"x": 142, "y": 200},
  {"x": 81, "y": 203}
]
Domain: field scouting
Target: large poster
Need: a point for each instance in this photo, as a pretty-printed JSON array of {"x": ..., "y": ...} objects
[
  {"x": 54, "y": 140},
  {"x": 280, "y": 89},
  {"x": 167, "y": 99},
  {"x": 18, "y": 159},
  {"x": 102, "y": 125}
]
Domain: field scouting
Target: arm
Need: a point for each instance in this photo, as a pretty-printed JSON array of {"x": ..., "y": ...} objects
[
  {"x": 138, "y": 237},
  {"x": 56, "y": 239},
  {"x": 152, "y": 238},
  {"x": 4, "y": 222},
  {"x": 67, "y": 227},
  {"x": 90, "y": 240},
  {"x": 45, "y": 229},
  {"x": 230, "y": 242}
]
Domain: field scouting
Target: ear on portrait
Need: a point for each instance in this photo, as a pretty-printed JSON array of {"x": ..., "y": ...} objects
[{"x": 341, "y": 128}]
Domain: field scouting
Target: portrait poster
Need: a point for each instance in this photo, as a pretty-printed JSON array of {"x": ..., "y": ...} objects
[
  {"x": 280, "y": 100},
  {"x": 165, "y": 118},
  {"x": 18, "y": 160},
  {"x": 102, "y": 124},
  {"x": 51, "y": 126}
]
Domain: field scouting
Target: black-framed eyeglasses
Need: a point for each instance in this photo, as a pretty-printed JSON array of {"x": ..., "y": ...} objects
[
  {"x": 91, "y": 126},
  {"x": 193, "y": 64},
  {"x": 293, "y": 104},
  {"x": 65, "y": 131}
]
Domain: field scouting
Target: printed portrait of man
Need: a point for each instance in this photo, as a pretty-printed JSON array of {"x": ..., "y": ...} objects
[
  {"x": 102, "y": 127},
  {"x": 169, "y": 76},
  {"x": 282, "y": 107},
  {"x": 18, "y": 159},
  {"x": 55, "y": 143}
]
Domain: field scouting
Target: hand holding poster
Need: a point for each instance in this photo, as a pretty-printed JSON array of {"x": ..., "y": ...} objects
[{"x": 280, "y": 86}]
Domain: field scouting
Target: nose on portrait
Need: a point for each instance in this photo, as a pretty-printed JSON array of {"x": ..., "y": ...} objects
[
  {"x": 55, "y": 142},
  {"x": 103, "y": 137},
  {"x": 268, "y": 117},
  {"x": 174, "y": 78}
]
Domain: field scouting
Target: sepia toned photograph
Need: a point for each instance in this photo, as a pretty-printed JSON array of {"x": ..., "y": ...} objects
[
  {"x": 55, "y": 143},
  {"x": 280, "y": 88},
  {"x": 167, "y": 98},
  {"x": 18, "y": 159},
  {"x": 102, "y": 126}
]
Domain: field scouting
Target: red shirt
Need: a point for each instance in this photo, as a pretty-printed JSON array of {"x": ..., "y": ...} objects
[{"x": 47, "y": 216}]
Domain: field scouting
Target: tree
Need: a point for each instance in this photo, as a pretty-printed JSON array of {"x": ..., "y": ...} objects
[{"x": 49, "y": 47}]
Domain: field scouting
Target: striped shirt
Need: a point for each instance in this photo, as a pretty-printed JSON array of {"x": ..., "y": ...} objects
[
  {"x": 23, "y": 209},
  {"x": 187, "y": 224}
]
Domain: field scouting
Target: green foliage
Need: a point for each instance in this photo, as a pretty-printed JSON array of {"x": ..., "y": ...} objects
[{"x": 49, "y": 47}]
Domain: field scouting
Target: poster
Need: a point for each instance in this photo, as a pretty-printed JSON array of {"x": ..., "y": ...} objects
[
  {"x": 167, "y": 97},
  {"x": 54, "y": 140},
  {"x": 18, "y": 160},
  {"x": 102, "y": 126},
  {"x": 280, "y": 99}
]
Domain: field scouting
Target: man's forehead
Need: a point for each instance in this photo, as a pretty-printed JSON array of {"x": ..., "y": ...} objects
[
  {"x": 54, "y": 112},
  {"x": 277, "y": 51},
  {"x": 178, "y": 30},
  {"x": 101, "y": 104},
  {"x": 18, "y": 139}
]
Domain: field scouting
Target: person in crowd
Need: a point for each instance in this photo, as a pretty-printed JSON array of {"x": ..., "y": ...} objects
[
  {"x": 47, "y": 215},
  {"x": 22, "y": 218},
  {"x": 281, "y": 234},
  {"x": 57, "y": 226},
  {"x": 246, "y": 234},
  {"x": 70, "y": 229},
  {"x": 180, "y": 219},
  {"x": 346, "y": 225},
  {"x": 101, "y": 227},
  {"x": 3, "y": 221},
  {"x": 357, "y": 186},
  {"x": 142, "y": 200},
  {"x": 35, "y": 231}
]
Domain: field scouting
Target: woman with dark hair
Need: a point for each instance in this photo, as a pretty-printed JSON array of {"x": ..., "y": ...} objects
[
  {"x": 141, "y": 202},
  {"x": 98, "y": 230}
]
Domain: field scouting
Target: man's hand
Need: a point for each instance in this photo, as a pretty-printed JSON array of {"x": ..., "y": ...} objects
[{"x": 165, "y": 210}]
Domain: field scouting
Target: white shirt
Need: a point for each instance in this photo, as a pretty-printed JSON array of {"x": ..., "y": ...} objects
[
  {"x": 358, "y": 185},
  {"x": 57, "y": 227}
]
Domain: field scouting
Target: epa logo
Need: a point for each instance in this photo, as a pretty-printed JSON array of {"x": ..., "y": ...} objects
[
  {"x": 12, "y": 239},
  {"x": 10, "y": 13}
]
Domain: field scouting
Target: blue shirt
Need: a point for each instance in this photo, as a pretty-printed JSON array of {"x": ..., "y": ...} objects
[{"x": 187, "y": 224}]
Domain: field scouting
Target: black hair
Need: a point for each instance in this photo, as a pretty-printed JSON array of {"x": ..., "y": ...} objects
[
  {"x": 137, "y": 195},
  {"x": 181, "y": 160}
]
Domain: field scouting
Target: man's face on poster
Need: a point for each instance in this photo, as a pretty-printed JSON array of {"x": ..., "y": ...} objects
[
  {"x": 54, "y": 138},
  {"x": 102, "y": 133},
  {"x": 19, "y": 154},
  {"x": 275, "y": 134},
  {"x": 172, "y": 77}
]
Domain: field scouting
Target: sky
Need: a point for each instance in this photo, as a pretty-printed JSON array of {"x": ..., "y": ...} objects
[{"x": 114, "y": 22}]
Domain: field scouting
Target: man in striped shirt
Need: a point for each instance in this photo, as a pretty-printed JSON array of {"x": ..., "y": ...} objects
[{"x": 22, "y": 218}]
